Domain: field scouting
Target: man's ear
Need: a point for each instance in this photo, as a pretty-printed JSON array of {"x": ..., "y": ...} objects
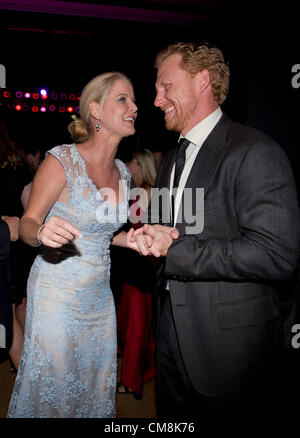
[
  {"x": 94, "y": 109},
  {"x": 203, "y": 80}
]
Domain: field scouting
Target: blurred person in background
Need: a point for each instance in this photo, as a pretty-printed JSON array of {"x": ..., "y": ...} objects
[
  {"x": 15, "y": 186},
  {"x": 134, "y": 311}
]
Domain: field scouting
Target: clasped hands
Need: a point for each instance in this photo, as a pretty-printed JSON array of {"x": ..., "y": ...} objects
[{"x": 152, "y": 239}]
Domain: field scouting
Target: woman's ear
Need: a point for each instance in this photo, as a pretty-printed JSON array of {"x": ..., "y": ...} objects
[{"x": 94, "y": 109}]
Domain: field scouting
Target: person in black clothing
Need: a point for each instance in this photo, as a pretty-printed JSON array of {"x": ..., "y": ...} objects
[
  {"x": 15, "y": 184},
  {"x": 9, "y": 231}
]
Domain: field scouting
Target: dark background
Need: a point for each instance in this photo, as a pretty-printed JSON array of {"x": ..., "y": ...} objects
[{"x": 63, "y": 51}]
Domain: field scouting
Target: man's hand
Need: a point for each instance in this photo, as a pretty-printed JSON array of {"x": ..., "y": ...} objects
[
  {"x": 13, "y": 225},
  {"x": 155, "y": 239}
]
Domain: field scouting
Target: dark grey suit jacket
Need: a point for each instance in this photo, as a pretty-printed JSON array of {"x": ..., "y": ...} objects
[{"x": 223, "y": 280}]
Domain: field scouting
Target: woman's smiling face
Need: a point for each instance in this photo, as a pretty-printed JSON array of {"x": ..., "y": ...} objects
[{"x": 119, "y": 110}]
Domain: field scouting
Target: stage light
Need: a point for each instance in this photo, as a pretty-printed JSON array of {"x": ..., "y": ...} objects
[
  {"x": 70, "y": 109},
  {"x": 52, "y": 108},
  {"x": 19, "y": 94},
  {"x": 43, "y": 93},
  {"x": 26, "y": 107},
  {"x": 18, "y": 107},
  {"x": 35, "y": 96},
  {"x": 6, "y": 94},
  {"x": 72, "y": 97},
  {"x": 35, "y": 108},
  {"x": 53, "y": 96},
  {"x": 27, "y": 95},
  {"x": 77, "y": 109},
  {"x": 62, "y": 109},
  {"x": 63, "y": 96},
  {"x": 43, "y": 109}
]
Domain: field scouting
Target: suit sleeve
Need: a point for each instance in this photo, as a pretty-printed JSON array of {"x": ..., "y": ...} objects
[
  {"x": 267, "y": 212},
  {"x": 4, "y": 240}
]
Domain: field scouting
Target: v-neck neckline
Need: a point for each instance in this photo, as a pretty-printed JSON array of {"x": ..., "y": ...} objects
[{"x": 93, "y": 185}]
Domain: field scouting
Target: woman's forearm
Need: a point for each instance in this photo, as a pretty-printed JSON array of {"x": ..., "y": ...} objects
[{"x": 28, "y": 231}]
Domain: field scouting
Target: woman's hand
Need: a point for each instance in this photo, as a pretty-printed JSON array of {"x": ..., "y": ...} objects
[
  {"x": 57, "y": 232},
  {"x": 130, "y": 241}
]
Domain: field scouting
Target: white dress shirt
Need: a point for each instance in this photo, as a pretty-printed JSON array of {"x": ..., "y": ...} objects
[{"x": 197, "y": 136}]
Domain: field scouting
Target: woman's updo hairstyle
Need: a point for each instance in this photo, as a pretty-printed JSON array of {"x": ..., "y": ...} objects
[{"x": 95, "y": 91}]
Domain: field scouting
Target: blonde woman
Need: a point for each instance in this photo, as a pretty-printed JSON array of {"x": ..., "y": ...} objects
[{"x": 78, "y": 201}]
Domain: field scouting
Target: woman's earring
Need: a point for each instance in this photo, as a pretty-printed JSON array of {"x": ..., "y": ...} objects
[{"x": 98, "y": 126}]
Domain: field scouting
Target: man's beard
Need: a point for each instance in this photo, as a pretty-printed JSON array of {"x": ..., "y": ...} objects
[
  {"x": 181, "y": 119},
  {"x": 175, "y": 125}
]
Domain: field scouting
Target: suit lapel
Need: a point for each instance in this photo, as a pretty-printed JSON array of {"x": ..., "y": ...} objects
[{"x": 210, "y": 156}]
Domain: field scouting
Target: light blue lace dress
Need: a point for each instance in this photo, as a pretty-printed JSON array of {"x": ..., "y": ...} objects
[{"x": 68, "y": 364}]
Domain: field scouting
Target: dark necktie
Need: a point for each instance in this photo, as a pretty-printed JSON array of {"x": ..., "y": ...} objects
[
  {"x": 180, "y": 160},
  {"x": 179, "y": 165}
]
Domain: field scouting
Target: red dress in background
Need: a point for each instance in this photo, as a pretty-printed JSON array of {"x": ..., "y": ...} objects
[{"x": 134, "y": 321}]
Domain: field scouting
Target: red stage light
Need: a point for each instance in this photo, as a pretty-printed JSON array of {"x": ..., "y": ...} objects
[
  {"x": 70, "y": 109},
  {"x": 18, "y": 107},
  {"x": 35, "y": 96},
  {"x": 72, "y": 97},
  {"x": 53, "y": 96},
  {"x": 62, "y": 109},
  {"x": 52, "y": 108},
  {"x": 6, "y": 94},
  {"x": 35, "y": 108},
  {"x": 44, "y": 96}
]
